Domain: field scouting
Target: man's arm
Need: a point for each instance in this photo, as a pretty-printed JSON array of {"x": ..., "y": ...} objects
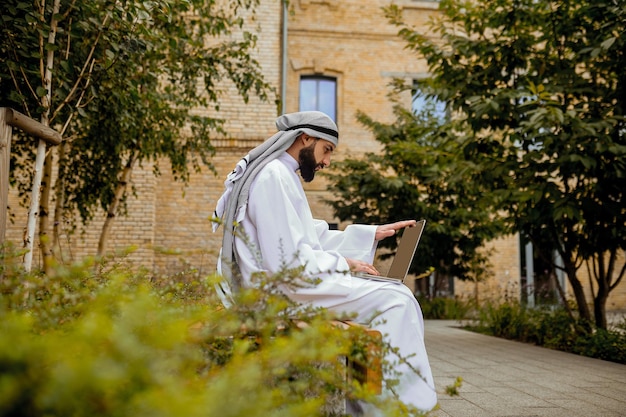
[
  {"x": 388, "y": 230},
  {"x": 357, "y": 247}
]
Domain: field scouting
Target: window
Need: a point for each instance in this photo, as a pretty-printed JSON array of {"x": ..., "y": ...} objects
[
  {"x": 319, "y": 93},
  {"x": 423, "y": 104}
]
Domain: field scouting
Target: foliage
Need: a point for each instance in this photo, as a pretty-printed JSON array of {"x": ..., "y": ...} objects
[
  {"x": 97, "y": 339},
  {"x": 414, "y": 176},
  {"x": 131, "y": 82},
  {"x": 540, "y": 89},
  {"x": 446, "y": 308},
  {"x": 551, "y": 328}
]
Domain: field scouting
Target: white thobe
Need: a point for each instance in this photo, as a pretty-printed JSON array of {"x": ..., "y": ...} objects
[{"x": 280, "y": 230}]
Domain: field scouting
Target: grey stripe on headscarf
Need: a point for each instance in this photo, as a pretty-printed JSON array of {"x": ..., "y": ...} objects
[{"x": 231, "y": 206}]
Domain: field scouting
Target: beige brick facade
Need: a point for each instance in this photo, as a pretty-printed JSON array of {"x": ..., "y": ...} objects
[{"x": 347, "y": 39}]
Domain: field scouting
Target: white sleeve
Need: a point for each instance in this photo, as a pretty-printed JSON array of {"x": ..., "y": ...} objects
[{"x": 357, "y": 241}]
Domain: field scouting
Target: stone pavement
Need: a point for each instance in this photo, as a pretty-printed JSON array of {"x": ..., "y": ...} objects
[{"x": 507, "y": 378}]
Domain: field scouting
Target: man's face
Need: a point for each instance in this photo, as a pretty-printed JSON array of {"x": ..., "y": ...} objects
[{"x": 314, "y": 157}]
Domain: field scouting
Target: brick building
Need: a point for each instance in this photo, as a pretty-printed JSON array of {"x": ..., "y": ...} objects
[{"x": 343, "y": 48}]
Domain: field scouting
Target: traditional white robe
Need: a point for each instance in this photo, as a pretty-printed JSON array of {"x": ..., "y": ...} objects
[{"x": 280, "y": 230}]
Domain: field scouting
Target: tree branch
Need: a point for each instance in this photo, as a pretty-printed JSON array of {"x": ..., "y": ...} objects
[{"x": 88, "y": 64}]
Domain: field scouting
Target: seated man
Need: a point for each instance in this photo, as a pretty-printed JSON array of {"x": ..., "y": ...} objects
[{"x": 265, "y": 199}]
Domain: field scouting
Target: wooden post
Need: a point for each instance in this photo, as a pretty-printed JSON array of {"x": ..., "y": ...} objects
[
  {"x": 32, "y": 127},
  {"x": 5, "y": 156},
  {"x": 46, "y": 135}
]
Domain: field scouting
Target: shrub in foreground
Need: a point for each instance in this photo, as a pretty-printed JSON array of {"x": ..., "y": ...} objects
[{"x": 97, "y": 340}]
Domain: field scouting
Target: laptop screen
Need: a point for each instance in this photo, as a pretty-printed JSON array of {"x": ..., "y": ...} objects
[{"x": 406, "y": 250}]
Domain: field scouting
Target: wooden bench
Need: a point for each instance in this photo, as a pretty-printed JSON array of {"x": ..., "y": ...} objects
[{"x": 370, "y": 373}]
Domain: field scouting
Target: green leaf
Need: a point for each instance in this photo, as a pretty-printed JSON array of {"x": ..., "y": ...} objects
[
  {"x": 608, "y": 43},
  {"x": 41, "y": 91}
]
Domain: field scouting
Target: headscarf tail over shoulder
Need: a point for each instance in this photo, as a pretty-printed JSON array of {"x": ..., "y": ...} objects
[{"x": 231, "y": 207}]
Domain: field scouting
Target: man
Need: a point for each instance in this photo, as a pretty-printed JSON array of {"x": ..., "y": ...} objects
[{"x": 264, "y": 198}]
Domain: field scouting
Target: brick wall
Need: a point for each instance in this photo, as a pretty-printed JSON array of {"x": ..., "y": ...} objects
[
  {"x": 133, "y": 231},
  {"x": 504, "y": 278}
]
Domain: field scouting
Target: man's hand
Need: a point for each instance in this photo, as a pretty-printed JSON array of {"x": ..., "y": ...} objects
[
  {"x": 361, "y": 266},
  {"x": 388, "y": 230}
]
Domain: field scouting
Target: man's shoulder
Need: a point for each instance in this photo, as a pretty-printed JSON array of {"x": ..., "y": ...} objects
[
  {"x": 275, "y": 166},
  {"x": 274, "y": 170}
]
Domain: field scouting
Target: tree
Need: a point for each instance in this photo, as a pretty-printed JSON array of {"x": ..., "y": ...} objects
[
  {"x": 413, "y": 178},
  {"x": 126, "y": 82},
  {"x": 541, "y": 85}
]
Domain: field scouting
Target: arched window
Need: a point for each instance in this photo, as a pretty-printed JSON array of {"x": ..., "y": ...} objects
[{"x": 319, "y": 93}]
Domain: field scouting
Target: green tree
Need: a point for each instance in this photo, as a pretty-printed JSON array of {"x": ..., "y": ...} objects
[
  {"x": 542, "y": 88},
  {"x": 124, "y": 85},
  {"x": 416, "y": 176}
]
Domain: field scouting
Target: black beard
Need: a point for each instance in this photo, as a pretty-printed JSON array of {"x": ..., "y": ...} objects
[{"x": 307, "y": 161}]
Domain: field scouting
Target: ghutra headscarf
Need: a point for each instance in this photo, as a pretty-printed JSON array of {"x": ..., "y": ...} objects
[{"x": 231, "y": 207}]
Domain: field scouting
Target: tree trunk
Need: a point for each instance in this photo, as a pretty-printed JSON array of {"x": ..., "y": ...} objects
[
  {"x": 46, "y": 102},
  {"x": 563, "y": 297},
  {"x": 476, "y": 292},
  {"x": 59, "y": 206},
  {"x": 112, "y": 212},
  {"x": 6, "y": 131},
  {"x": 44, "y": 214},
  {"x": 602, "y": 272},
  {"x": 599, "y": 310},
  {"x": 579, "y": 293},
  {"x": 29, "y": 242}
]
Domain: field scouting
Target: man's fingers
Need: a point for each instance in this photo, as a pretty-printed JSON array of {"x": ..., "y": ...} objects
[
  {"x": 402, "y": 224},
  {"x": 405, "y": 223},
  {"x": 361, "y": 266},
  {"x": 388, "y": 230},
  {"x": 370, "y": 269}
]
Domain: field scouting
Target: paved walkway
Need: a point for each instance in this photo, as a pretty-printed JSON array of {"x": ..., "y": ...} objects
[{"x": 507, "y": 378}]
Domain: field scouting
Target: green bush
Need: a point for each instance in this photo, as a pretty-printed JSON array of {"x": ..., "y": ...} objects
[
  {"x": 445, "y": 308},
  {"x": 603, "y": 344},
  {"x": 552, "y": 328},
  {"x": 507, "y": 320},
  {"x": 96, "y": 339}
]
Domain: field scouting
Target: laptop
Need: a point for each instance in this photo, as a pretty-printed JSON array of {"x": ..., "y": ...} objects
[{"x": 399, "y": 268}]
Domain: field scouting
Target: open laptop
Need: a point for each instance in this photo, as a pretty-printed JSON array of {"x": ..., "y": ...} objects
[{"x": 399, "y": 268}]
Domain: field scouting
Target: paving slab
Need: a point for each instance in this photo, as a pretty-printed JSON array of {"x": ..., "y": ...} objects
[{"x": 504, "y": 378}]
